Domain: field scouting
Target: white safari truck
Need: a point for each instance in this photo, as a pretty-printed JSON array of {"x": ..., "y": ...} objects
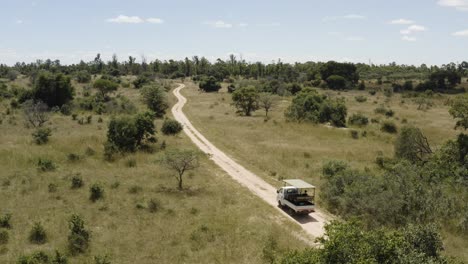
[{"x": 297, "y": 196}]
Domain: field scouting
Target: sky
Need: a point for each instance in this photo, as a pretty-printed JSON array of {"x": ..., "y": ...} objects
[{"x": 376, "y": 31}]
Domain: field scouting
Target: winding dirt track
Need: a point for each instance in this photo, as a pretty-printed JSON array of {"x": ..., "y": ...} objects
[{"x": 313, "y": 224}]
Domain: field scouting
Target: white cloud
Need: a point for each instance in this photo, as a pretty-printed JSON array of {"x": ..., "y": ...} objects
[
  {"x": 354, "y": 16},
  {"x": 401, "y": 21},
  {"x": 243, "y": 24},
  {"x": 219, "y": 24},
  {"x": 463, "y": 33},
  {"x": 154, "y": 20},
  {"x": 413, "y": 29},
  {"x": 126, "y": 19},
  {"x": 408, "y": 38},
  {"x": 458, "y": 4}
]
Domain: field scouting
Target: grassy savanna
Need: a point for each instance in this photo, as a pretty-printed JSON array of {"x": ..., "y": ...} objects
[
  {"x": 277, "y": 149},
  {"x": 213, "y": 220}
]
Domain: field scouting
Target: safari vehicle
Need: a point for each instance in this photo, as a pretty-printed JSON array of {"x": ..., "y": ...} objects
[{"x": 297, "y": 196}]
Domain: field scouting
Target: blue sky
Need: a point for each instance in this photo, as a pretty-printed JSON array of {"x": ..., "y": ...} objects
[{"x": 382, "y": 31}]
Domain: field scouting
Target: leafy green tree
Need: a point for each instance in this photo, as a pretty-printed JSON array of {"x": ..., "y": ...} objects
[
  {"x": 78, "y": 239},
  {"x": 412, "y": 145},
  {"x": 245, "y": 99},
  {"x": 209, "y": 84},
  {"x": 171, "y": 127},
  {"x": 53, "y": 89},
  {"x": 105, "y": 86},
  {"x": 181, "y": 161},
  {"x": 459, "y": 111},
  {"x": 346, "y": 70},
  {"x": 267, "y": 101},
  {"x": 83, "y": 76},
  {"x": 155, "y": 98},
  {"x": 127, "y": 133},
  {"x": 336, "y": 82}
]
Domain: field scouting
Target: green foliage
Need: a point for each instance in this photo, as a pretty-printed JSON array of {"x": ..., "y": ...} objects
[
  {"x": 78, "y": 239},
  {"x": 45, "y": 165},
  {"x": 245, "y": 99},
  {"x": 354, "y": 134},
  {"x": 294, "y": 88},
  {"x": 384, "y": 111},
  {"x": 154, "y": 205},
  {"x": 77, "y": 182},
  {"x": 362, "y": 86},
  {"x": 310, "y": 106},
  {"x": 459, "y": 111},
  {"x": 389, "y": 127},
  {"x": 348, "y": 71},
  {"x": 40, "y": 257},
  {"x": 83, "y": 76},
  {"x": 155, "y": 98},
  {"x": 171, "y": 127},
  {"x": 336, "y": 82},
  {"x": 105, "y": 86},
  {"x": 358, "y": 119},
  {"x": 41, "y": 135},
  {"x": 37, "y": 235},
  {"x": 209, "y": 84},
  {"x": 128, "y": 133},
  {"x": 4, "y": 237},
  {"x": 96, "y": 192},
  {"x": 53, "y": 89},
  {"x": 102, "y": 260},
  {"x": 5, "y": 221},
  {"x": 412, "y": 145},
  {"x": 141, "y": 81}
]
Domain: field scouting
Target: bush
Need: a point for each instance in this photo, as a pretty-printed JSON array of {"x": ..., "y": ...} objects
[
  {"x": 96, "y": 192},
  {"x": 4, "y": 237},
  {"x": 127, "y": 133},
  {"x": 105, "y": 86},
  {"x": 102, "y": 260},
  {"x": 141, "y": 81},
  {"x": 153, "y": 205},
  {"x": 83, "y": 76},
  {"x": 46, "y": 165},
  {"x": 155, "y": 99},
  {"x": 5, "y": 221},
  {"x": 76, "y": 182},
  {"x": 72, "y": 157},
  {"x": 41, "y": 257},
  {"x": 171, "y": 127},
  {"x": 336, "y": 82},
  {"x": 372, "y": 92},
  {"x": 41, "y": 135},
  {"x": 209, "y": 84},
  {"x": 354, "y": 133},
  {"x": 78, "y": 239},
  {"x": 53, "y": 89},
  {"x": 358, "y": 120},
  {"x": 38, "y": 234},
  {"x": 389, "y": 127},
  {"x": 360, "y": 98}
]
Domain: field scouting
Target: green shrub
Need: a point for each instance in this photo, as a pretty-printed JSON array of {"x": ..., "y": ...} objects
[
  {"x": 354, "y": 133},
  {"x": 358, "y": 120},
  {"x": 171, "y": 127},
  {"x": 83, "y": 76},
  {"x": 153, "y": 205},
  {"x": 76, "y": 182},
  {"x": 37, "y": 235},
  {"x": 389, "y": 127},
  {"x": 89, "y": 151},
  {"x": 360, "y": 99},
  {"x": 4, "y": 237},
  {"x": 155, "y": 99},
  {"x": 78, "y": 239},
  {"x": 135, "y": 189},
  {"x": 53, "y": 89},
  {"x": 209, "y": 84},
  {"x": 5, "y": 221},
  {"x": 336, "y": 82},
  {"x": 372, "y": 92},
  {"x": 45, "y": 165},
  {"x": 127, "y": 133},
  {"x": 96, "y": 192},
  {"x": 41, "y": 135},
  {"x": 102, "y": 259},
  {"x": 72, "y": 157}
]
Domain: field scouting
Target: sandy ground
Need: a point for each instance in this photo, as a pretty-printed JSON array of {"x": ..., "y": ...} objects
[{"x": 312, "y": 224}]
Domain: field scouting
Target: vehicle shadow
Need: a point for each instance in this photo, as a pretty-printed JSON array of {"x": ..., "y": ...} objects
[{"x": 302, "y": 219}]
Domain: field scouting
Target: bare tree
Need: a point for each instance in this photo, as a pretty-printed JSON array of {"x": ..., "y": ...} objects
[
  {"x": 267, "y": 101},
  {"x": 181, "y": 161},
  {"x": 35, "y": 113}
]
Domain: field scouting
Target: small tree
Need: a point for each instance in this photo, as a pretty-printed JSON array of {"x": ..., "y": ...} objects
[
  {"x": 171, "y": 127},
  {"x": 41, "y": 135},
  {"x": 38, "y": 234},
  {"x": 267, "y": 101},
  {"x": 53, "y": 89},
  {"x": 209, "y": 84},
  {"x": 459, "y": 110},
  {"x": 35, "y": 113},
  {"x": 96, "y": 192},
  {"x": 245, "y": 99},
  {"x": 105, "y": 86},
  {"x": 412, "y": 145},
  {"x": 181, "y": 161},
  {"x": 78, "y": 239},
  {"x": 127, "y": 133},
  {"x": 155, "y": 98},
  {"x": 83, "y": 76},
  {"x": 336, "y": 82}
]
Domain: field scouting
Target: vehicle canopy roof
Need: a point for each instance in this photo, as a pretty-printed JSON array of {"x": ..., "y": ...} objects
[{"x": 300, "y": 184}]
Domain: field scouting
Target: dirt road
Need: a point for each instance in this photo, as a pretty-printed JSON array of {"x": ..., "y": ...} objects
[{"x": 312, "y": 224}]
